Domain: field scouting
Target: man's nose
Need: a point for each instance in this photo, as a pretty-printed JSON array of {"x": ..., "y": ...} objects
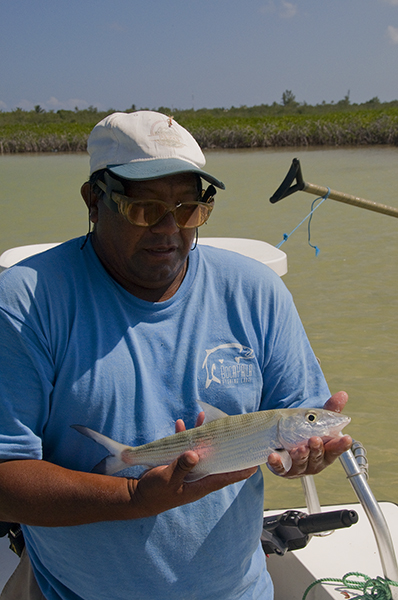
[{"x": 167, "y": 224}]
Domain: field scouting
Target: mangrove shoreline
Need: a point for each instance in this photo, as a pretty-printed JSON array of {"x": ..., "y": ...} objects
[{"x": 256, "y": 127}]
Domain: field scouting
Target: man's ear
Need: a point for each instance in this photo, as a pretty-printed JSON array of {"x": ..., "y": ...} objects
[{"x": 91, "y": 200}]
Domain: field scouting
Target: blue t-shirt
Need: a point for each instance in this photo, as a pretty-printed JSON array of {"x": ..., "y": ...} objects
[{"x": 77, "y": 348}]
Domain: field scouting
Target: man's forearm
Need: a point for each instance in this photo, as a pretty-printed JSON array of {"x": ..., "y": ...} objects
[{"x": 36, "y": 492}]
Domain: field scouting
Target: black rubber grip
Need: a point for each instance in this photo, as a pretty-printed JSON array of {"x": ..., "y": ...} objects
[{"x": 327, "y": 521}]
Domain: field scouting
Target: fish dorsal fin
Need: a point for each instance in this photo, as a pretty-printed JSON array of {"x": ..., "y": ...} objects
[{"x": 211, "y": 412}]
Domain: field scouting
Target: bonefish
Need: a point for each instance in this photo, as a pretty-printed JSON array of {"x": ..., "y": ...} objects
[{"x": 225, "y": 443}]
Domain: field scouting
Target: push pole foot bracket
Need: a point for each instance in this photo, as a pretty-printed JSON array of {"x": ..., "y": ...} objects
[{"x": 288, "y": 187}]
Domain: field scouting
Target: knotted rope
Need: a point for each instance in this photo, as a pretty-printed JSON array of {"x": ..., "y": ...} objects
[{"x": 370, "y": 589}]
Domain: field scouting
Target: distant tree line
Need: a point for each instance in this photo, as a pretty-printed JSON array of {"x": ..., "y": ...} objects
[
  {"x": 287, "y": 123},
  {"x": 288, "y": 105}
]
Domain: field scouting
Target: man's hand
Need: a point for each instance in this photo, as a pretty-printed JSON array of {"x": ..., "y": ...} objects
[
  {"x": 163, "y": 488},
  {"x": 311, "y": 458}
]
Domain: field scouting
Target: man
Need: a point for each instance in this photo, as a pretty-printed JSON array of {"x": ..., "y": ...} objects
[{"x": 123, "y": 332}]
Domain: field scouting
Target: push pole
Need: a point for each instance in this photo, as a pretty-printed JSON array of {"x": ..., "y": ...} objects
[{"x": 287, "y": 188}]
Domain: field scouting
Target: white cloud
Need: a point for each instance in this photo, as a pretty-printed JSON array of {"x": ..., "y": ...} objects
[
  {"x": 392, "y": 33},
  {"x": 3, "y": 105},
  {"x": 55, "y": 104},
  {"x": 288, "y": 10},
  {"x": 25, "y": 104},
  {"x": 284, "y": 9},
  {"x": 392, "y": 2},
  {"x": 51, "y": 104}
]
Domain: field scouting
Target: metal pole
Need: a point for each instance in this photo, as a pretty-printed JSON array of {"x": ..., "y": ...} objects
[
  {"x": 310, "y": 494},
  {"x": 375, "y": 516},
  {"x": 319, "y": 190}
]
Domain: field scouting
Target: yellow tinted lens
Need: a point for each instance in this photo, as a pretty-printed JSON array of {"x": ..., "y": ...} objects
[
  {"x": 145, "y": 214},
  {"x": 191, "y": 215}
]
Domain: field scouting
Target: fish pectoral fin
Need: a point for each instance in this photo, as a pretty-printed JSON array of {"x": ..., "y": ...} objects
[
  {"x": 285, "y": 458},
  {"x": 211, "y": 412}
]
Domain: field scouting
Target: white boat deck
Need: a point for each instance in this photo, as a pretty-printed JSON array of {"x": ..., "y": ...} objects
[
  {"x": 346, "y": 550},
  {"x": 257, "y": 249}
]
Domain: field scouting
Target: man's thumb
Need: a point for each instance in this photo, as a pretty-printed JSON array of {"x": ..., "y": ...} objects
[{"x": 187, "y": 461}]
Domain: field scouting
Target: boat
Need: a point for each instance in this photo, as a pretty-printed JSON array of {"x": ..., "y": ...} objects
[{"x": 310, "y": 548}]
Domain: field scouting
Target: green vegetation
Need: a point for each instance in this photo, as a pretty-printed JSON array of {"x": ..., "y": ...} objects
[{"x": 286, "y": 124}]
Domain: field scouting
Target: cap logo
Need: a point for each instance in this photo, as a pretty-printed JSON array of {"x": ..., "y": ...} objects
[{"x": 166, "y": 135}]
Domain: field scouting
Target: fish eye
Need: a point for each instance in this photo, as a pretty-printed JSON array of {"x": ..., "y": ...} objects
[{"x": 311, "y": 417}]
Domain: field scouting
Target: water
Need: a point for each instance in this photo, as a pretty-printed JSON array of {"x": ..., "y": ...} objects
[{"x": 347, "y": 296}]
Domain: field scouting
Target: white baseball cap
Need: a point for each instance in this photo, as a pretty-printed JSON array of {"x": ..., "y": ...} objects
[{"x": 145, "y": 145}]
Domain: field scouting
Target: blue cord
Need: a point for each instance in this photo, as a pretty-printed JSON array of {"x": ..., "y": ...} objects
[{"x": 286, "y": 236}]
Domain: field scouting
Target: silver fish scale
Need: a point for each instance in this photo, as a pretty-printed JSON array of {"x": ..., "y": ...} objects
[{"x": 222, "y": 445}]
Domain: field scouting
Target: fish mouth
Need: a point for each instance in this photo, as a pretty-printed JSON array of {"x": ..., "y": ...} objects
[{"x": 342, "y": 422}]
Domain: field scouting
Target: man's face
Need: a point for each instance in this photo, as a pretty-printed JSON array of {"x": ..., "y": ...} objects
[{"x": 150, "y": 262}]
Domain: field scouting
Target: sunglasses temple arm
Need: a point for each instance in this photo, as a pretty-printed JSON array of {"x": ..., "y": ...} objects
[{"x": 209, "y": 193}]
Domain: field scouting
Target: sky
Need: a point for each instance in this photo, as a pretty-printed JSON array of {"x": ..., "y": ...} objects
[{"x": 183, "y": 54}]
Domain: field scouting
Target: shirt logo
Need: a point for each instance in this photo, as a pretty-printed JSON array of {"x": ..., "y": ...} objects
[{"x": 228, "y": 364}]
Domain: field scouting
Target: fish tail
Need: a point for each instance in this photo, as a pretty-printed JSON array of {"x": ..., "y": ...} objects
[{"x": 110, "y": 464}]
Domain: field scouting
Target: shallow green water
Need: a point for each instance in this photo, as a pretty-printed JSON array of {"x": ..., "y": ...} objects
[{"x": 347, "y": 296}]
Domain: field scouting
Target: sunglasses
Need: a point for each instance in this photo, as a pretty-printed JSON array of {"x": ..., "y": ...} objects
[{"x": 146, "y": 213}]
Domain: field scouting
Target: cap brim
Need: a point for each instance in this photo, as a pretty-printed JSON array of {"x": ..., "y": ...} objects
[{"x": 156, "y": 168}]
